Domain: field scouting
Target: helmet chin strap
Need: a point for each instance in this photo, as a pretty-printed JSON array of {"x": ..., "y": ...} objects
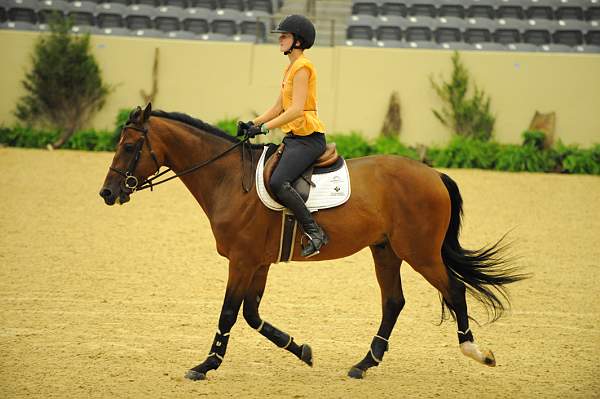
[{"x": 292, "y": 47}]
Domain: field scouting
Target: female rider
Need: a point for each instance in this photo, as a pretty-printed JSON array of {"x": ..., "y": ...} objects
[{"x": 295, "y": 112}]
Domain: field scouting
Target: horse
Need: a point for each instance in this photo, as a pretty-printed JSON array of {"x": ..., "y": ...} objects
[{"x": 401, "y": 209}]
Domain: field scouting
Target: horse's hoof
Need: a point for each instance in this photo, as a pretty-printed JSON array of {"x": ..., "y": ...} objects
[
  {"x": 195, "y": 376},
  {"x": 306, "y": 355},
  {"x": 489, "y": 359},
  {"x": 357, "y": 373}
]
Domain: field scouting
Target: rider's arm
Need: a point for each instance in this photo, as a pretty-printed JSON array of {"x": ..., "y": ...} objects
[
  {"x": 298, "y": 100},
  {"x": 270, "y": 113}
]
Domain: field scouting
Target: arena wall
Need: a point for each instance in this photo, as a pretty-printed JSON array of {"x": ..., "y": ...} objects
[{"x": 213, "y": 80}]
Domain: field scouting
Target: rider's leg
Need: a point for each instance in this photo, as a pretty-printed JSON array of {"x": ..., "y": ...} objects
[{"x": 300, "y": 152}]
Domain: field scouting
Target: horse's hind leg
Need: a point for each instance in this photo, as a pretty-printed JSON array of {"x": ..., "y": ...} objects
[
  {"x": 272, "y": 333},
  {"x": 453, "y": 292},
  {"x": 387, "y": 268}
]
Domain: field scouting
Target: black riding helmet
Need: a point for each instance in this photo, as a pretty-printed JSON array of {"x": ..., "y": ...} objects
[{"x": 301, "y": 28}]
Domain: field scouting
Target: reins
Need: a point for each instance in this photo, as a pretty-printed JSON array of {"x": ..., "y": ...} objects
[{"x": 131, "y": 182}]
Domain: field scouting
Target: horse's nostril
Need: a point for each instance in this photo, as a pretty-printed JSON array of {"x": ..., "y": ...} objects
[{"x": 105, "y": 193}]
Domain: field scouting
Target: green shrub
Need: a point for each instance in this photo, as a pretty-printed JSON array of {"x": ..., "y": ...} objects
[
  {"x": 391, "y": 145},
  {"x": 22, "y": 136},
  {"x": 351, "y": 145},
  {"x": 515, "y": 158},
  {"x": 583, "y": 161},
  {"x": 534, "y": 139},
  {"x": 469, "y": 117},
  {"x": 228, "y": 125},
  {"x": 64, "y": 87},
  {"x": 464, "y": 152}
]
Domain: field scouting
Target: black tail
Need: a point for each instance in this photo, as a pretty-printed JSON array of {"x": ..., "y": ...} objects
[{"x": 485, "y": 272}]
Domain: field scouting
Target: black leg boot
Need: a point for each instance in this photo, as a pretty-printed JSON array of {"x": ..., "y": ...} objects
[{"x": 289, "y": 197}]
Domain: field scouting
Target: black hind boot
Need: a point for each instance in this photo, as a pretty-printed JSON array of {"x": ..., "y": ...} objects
[{"x": 289, "y": 197}]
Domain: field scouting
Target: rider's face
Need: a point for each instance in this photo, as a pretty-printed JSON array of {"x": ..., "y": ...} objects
[{"x": 285, "y": 41}]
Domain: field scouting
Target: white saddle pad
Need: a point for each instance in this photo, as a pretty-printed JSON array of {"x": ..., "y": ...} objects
[{"x": 332, "y": 189}]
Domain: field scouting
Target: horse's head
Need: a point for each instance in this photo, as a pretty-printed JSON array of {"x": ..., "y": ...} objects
[{"x": 135, "y": 159}]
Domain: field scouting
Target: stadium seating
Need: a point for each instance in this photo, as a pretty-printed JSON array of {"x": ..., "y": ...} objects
[{"x": 502, "y": 25}]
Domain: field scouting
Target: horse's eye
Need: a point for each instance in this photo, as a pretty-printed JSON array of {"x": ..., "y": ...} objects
[{"x": 128, "y": 147}]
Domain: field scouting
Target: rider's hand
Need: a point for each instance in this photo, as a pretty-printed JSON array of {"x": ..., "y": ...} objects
[
  {"x": 254, "y": 130},
  {"x": 243, "y": 127}
]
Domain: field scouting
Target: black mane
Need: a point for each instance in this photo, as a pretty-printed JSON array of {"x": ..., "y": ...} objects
[{"x": 197, "y": 123}]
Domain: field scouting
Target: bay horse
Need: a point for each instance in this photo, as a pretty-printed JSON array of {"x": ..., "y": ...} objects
[{"x": 401, "y": 209}]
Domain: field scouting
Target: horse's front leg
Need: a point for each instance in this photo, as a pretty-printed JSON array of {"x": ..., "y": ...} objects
[
  {"x": 240, "y": 277},
  {"x": 280, "y": 338}
]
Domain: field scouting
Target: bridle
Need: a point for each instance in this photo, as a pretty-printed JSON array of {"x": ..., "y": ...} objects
[{"x": 131, "y": 182}]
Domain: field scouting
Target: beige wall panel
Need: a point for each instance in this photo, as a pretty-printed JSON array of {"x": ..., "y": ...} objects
[{"x": 212, "y": 80}]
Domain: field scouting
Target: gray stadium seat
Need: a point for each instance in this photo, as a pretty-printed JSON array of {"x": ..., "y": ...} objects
[
  {"x": 593, "y": 37},
  {"x": 122, "y": 2},
  {"x": 418, "y": 34},
  {"x": 139, "y": 17},
  {"x": 365, "y": 8},
  {"x": 225, "y": 22},
  {"x": 389, "y": 28},
  {"x": 2, "y": 15},
  {"x": 208, "y": 4},
  {"x": 397, "y": 8},
  {"x": 570, "y": 9},
  {"x": 237, "y": 5},
  {"x": 22, "y": 11},
  {"x": 540, "y": 9},
  {"x": 510, "y": 9},
  {"x": 451, "y": 8},
  {"x": 570, "y": 32},
  {"x": 539, "y": 32},
  {"x": 150, "y": 3},
  {"x": 509, "y": 31},
  {"x": 361, "y": 27},
  {"x": 421, "y": 8},
  {"x": 254, "y": 28},
  {"x": 175, "y": 3},
  {"x": 593, "y": 13},
  {"x": 197, "y": 26},
  {"x": 261, "y": 5},
  {"x": 106, "y": 20},
  {"x": 481, "y": 9},
  {"x": 48, "y": 8},
  {"x": 556, "y": 48},
  {"x": 167, "y": 24}
]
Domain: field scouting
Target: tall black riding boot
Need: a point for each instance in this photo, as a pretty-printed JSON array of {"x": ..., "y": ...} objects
[{"x": 289, "y": 197}]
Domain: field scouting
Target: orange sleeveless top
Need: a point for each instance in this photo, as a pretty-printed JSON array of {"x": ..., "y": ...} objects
[{"x": 309, "y": 122}]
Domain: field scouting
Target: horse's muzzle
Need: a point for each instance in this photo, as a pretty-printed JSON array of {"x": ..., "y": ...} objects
[{"x": 110, "y": 197}]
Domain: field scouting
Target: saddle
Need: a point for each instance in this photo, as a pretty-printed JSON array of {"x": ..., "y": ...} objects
[{"x": 328, "y": 161}]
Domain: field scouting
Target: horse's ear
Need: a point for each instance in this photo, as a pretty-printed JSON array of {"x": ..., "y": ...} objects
[
  {"x": 147, "y": 112},
  {"x": 134, "y": 114}
]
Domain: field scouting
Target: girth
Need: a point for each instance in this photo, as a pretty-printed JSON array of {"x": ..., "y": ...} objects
[{"x": 303, "y": 183}]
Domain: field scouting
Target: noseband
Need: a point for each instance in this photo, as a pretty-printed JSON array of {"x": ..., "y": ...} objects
[{"x": 131, "y": 182}]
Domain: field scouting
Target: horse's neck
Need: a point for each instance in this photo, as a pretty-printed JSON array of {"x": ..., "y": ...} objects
[{"x": 211, "y": 184}]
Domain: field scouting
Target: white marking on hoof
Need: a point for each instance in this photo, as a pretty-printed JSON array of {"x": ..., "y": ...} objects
[{"x": 470, "y": 349}]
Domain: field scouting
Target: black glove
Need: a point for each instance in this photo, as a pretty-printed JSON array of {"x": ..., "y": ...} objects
[
  {"x": 254, "y": 130},
  {"x": 243, "y": 127}
]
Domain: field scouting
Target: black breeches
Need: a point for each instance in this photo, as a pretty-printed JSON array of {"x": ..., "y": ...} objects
[{"x": 300, "y": 152}]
